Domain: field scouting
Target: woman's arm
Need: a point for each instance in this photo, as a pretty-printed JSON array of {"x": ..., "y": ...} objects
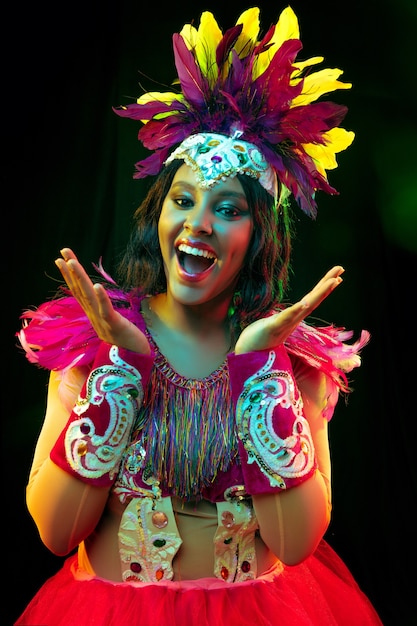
[
  {"x": 64, "y": 509},
  {"x": 79, "y": 451},
  {"x": 293, "y": 521},
  {"x": 81, "y": 442},
  {"x": 284, "y": 450}
]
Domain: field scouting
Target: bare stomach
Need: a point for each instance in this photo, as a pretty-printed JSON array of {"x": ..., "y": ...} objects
[{"x": 197, "y": 524}]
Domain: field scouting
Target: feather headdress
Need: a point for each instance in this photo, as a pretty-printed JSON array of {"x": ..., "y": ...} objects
[{"x": 235, "y": 85}]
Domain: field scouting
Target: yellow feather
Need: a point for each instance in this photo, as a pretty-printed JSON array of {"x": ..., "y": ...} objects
[
  {"x": 286, "y": 28},
  {"x": 166, "y": 97},
  {"x": 319, "y": 83},
  {"x": 324, "y": 156},
  {"x": 250, "y": 31},
  {"x": 209, "y": 36},
  {"x": 189, "y": 34},
  {"x": 301, "y": 65}
]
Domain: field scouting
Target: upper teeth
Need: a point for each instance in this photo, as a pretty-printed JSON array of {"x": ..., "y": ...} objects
[{"x": 196, "y": 251}]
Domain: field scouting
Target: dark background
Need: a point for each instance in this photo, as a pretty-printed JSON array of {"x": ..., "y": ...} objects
[{"x": 67, "y": 176}]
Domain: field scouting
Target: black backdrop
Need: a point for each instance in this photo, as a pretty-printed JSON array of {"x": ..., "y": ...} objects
[{"x": 67, "y": 175}]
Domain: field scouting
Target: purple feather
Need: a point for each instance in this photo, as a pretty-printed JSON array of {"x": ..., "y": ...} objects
[{"x": 193, "y": 84}]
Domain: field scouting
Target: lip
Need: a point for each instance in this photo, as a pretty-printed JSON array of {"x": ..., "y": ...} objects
[
  {"x": 192, "y": 243},
  {"x": 197, "y": 245}
]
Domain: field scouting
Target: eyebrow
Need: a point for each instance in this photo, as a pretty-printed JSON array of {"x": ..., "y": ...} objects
[
  {"x": 227, "y": 193},
  {"x": 234, "y": 194}
]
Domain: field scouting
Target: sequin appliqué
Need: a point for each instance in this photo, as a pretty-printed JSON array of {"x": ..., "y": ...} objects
[
  {"x": 278, "y": 458},
  {"x": 118, "y": 387},
  {"x": 234, "y": 541},
  {"x": 148, "y": 540}
]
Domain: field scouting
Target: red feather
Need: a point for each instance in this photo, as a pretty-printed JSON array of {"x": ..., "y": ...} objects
[{"x": 226, "y": 44}]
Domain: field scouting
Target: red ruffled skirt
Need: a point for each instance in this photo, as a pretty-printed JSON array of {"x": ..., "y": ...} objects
[{"x": 319, "y": 592}]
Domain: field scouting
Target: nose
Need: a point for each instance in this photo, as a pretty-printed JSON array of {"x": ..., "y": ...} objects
[{"x": 198, "y": 219}]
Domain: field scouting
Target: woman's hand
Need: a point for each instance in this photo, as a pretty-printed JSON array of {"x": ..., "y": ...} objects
[
  {"x": 271, "y": 331},
  {"x": 109, "y": 325}
]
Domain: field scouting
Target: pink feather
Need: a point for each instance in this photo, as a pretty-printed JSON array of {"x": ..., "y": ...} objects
[{"x": 58, "y": 335}]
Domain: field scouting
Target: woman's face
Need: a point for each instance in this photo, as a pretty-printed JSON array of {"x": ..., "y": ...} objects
[{"x": 204, "y": 236}]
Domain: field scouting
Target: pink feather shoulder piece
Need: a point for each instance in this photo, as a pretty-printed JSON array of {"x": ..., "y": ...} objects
[
  {"x": 58, "y": 335},
  {"x": 326, "y": 348}
]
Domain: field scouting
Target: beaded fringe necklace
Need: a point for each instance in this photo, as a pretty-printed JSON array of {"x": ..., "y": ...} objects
[{"x": 187, "y": 426}]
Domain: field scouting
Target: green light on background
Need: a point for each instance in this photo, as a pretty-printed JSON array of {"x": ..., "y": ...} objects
[{"x": 397, "y": 182}]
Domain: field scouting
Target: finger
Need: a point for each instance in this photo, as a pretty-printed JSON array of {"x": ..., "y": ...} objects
[
  {"x": 334, "y": 272},
  {"x": 324, "y": 287},
  {"x": 62, "y": 266},
  {"x": 105, "y": 306},
  {"x": 293, "y": 315},
  {"x": 79, "y": 283},
  {"x": 67, "y": 254},
  {"x": 320, "y": 293},
  {"x": 69, "y": 271}
]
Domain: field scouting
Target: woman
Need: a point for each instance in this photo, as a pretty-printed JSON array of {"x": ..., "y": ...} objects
[{"x": 184, "y": 451}]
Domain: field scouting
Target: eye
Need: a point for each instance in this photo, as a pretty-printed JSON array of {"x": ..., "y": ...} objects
[
  {"x": 231, "y": 212},
  {"x": 184, "y": 202}
]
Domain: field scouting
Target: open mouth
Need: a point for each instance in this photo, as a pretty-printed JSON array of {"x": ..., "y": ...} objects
[{"x": 195, "y": 260}]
